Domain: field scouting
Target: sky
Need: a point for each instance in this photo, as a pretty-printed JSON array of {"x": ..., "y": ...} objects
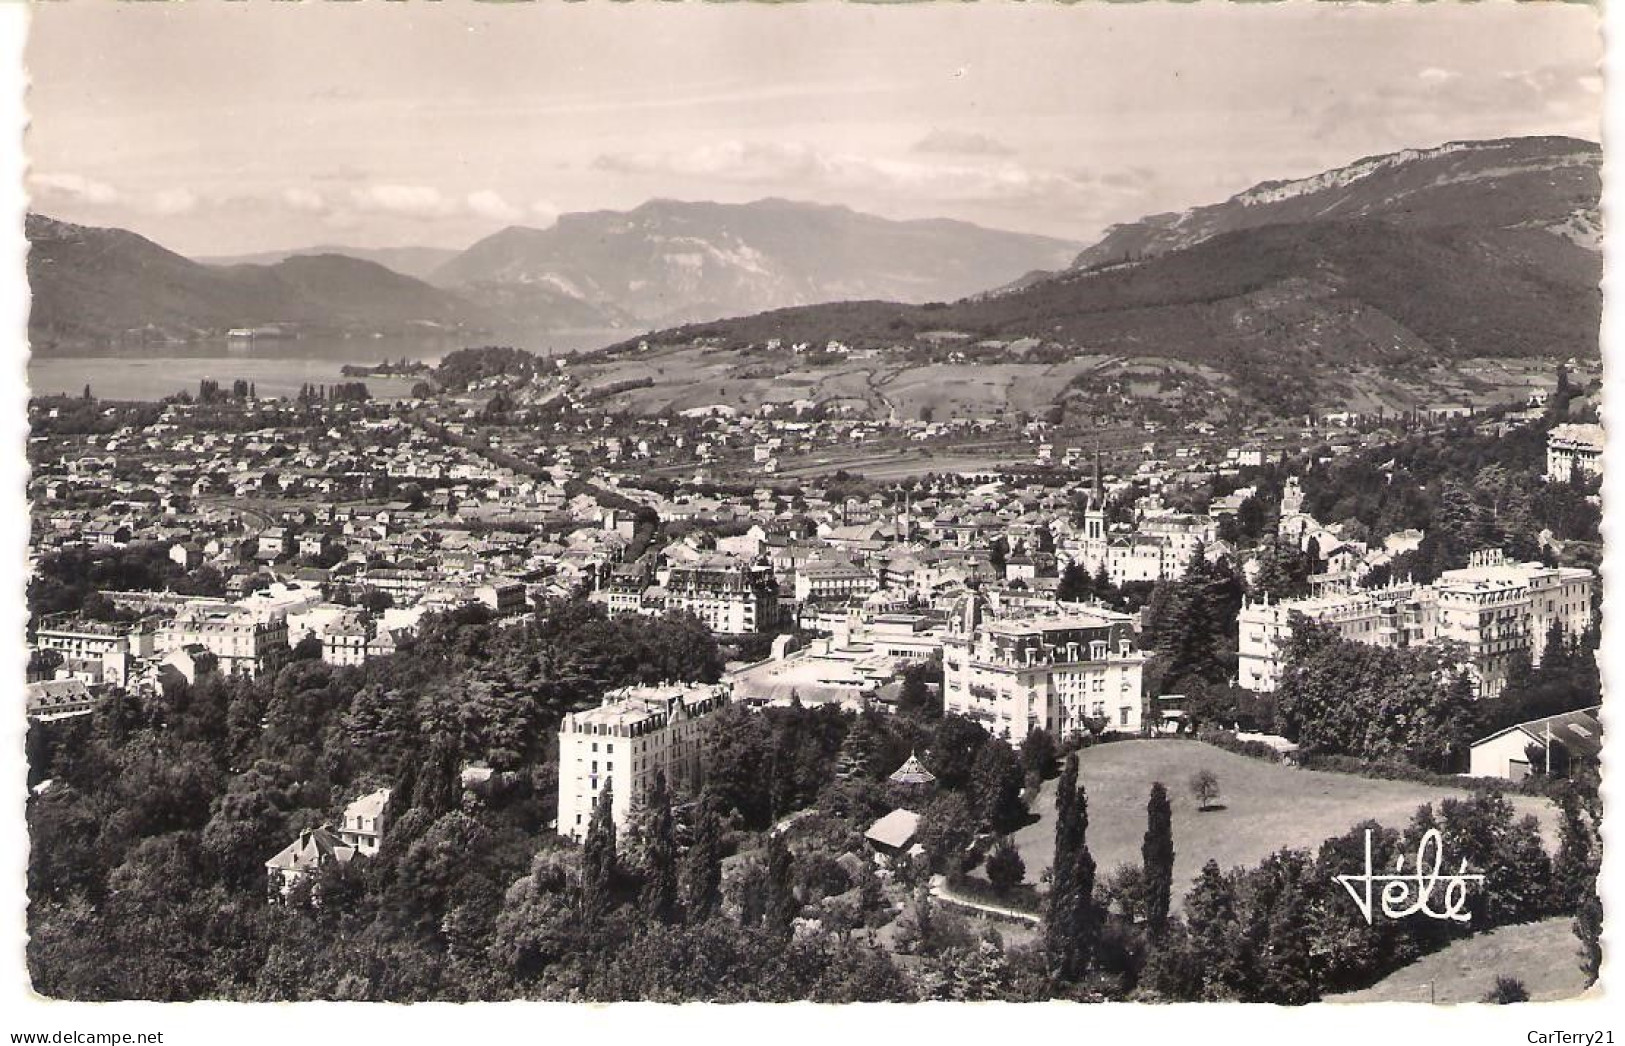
[{"x": 223, "y": 128}]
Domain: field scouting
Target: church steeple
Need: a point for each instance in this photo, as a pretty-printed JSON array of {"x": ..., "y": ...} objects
[{"x": 1094, "y": 515}]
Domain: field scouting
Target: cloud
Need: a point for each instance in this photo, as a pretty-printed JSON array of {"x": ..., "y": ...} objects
[
  {"x": 407, "y": 201},
  {"x": 488, "y": 204},
  {"x": 1435, "y": 75},
  {"x": 174, "y": 201},
  {"x": 302, "y": 199},
  {"x": 75, "y": 187},
  {"x": 798, "y": 168},
  {"x": 961, "y": 143},
  {"x": 546, "y": 210},
  {"x": 427, "y": 203}
]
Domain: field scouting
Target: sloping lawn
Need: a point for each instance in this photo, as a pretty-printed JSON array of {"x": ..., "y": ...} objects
[
  {"x": 1261, "y": 808},
  {"x": 1544, "y": 955}
]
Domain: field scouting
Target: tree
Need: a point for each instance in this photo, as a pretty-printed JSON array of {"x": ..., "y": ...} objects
[
  {"x": 996, "y": 781},
  {"x": 1342, "y": 697},
  {"x": 702, "y": 865},
  {"x": 1005, "y": 867},
  {"x": 659, "y": 898},
  {"x": 1074, "y": 585},
  {"x": 599, "y": 861},
  {"x": 1210, "y": 910},
  {"x": 915, "y": 697},
  {"x": 1204, "y": 787},
  {"x": 779, "y": 906},
  {"x": 1157, "y": 858},
  {"x": 947, "y": 829},
  {"x": 1038, "y": 753},
  {"x": 1070, "y": 925},
  {"x": 954, "y": 747},
  {"x": 1588, "y": 928}
]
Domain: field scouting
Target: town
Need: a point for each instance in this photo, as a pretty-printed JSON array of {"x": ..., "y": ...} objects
[{"x": 489, "y": 674}]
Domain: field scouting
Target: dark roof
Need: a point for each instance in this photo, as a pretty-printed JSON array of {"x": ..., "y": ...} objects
[{"x": 1579, "y": 732}]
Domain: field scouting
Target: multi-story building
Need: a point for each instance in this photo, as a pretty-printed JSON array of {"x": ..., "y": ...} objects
[
  {"x": 1159, "y": 549},
  {"x": 363, "y": 824},
  {"x": 345, "y": 639},
  {"x": 314, "y": 849},
  {"x": 623, "y": 742},
  {"x": 85, "y": 645},
  {"x": 1571, "y": 449},
  {"x": 833, "y": 581},
  {"x": 1056, "y": 671},
  {"x": 244, "y": 644},
  {"x": 1496, "y": 609},
  {"x": 1397, "y": 615},
  {"x": 1493, "y": 610},
  {"x": 404, "y": 586},
  {"x": 732, "y": 598}
]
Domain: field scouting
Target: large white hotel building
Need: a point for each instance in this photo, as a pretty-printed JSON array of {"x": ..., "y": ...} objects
[
  {"x": 1053, "y": 671},
  {"x": 624, "y": 741},
  {"x": 1494, "y": 608}
]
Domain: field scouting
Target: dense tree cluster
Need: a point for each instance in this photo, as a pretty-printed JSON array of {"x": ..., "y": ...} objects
[
  {"x": 146, "y": 879},
  {"x": 72, "y": 578},
  {"x": 1504, "y": 501},
  {"x": 1191, "y": 626},
  {"x": 465, "y": 367},
  {"x": 1286, "y": 931},
  {"x": 1340, "y": 697}
]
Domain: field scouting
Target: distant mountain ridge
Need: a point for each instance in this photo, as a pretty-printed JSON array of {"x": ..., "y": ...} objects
[
  {"x": 1539, "y": 182},
  {"x": 93, "y": 286},
  {"x": 416, "y": 262},
  {"x": 1422, "y": 257},
  {"x": 671, "y": 261},
  {"x": 659, "y": 263}
]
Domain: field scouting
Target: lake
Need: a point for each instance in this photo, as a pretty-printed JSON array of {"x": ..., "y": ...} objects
[{"x": 276, "y": 367}]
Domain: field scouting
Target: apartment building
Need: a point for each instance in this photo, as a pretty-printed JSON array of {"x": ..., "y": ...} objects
[
  {"x": 1571, "y": 449},
  {"x": 634, "y": 733},
  {"x": 1494, "y": 609},
  {"x": 1055, "y": 670},
  {"x": 1397, "y": 615},
  {"x": 731, "y": 597},
  {"x": 244, "y": 644},
  {"x": 822, "y": 581},
  {"x": 86, "y": 643}
]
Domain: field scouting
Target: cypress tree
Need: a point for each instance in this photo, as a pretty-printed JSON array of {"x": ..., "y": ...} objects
[
  {"x": 1066, "y": 798},
  {"x": 1157, "y": 855},
  {"x": 1070, "y": 929},
  {"x": 598, "y": 857},
  {"x": 780, "y": 905},
  {"x": 660, "y": 883},
  {"x": 439, "y": 789},
  {"x": 702, "y": 865}
]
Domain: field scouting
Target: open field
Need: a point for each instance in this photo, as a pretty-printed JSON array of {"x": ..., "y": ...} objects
[
  {"x": 882, "y": 383},
  {"x": 1544, "y": 955},
  {"x": 1266, "y": 806},
  {"x": 696, "y": 377}
]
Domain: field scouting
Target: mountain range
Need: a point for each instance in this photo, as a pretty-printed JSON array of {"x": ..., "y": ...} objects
[
  {"x": 1471, "y": 249},
  {"x": 92, "y": 286},
  {"x": 664, "y": 262},
  {"x": 670, "y": 262},
  {"x": 417, "y": 262}
]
